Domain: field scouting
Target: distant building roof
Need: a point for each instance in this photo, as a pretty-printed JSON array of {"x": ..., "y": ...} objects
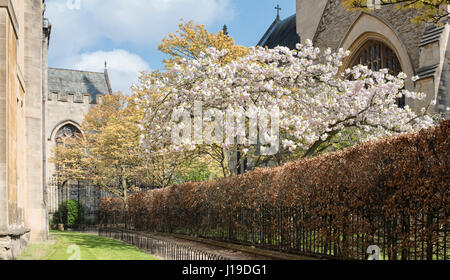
[
  {"x": 281, "y": 33},
  {"x": 79, "y": 83}
]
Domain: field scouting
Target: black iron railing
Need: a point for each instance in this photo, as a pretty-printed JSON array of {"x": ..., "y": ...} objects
[
  {"x": 158, "y": 247},
  {"x": 295, "y": 230}
]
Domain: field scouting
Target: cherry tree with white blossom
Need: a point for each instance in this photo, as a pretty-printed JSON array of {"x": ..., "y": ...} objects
[{"x": 317, "y": 100}]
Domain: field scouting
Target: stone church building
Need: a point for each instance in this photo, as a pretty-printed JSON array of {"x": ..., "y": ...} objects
[
  {"x": 383, "y": 38},
  {"x": 38, "y": 107},
  {"x": 71, "y": 94}
]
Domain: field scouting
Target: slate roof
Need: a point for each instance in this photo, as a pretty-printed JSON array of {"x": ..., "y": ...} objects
[
  {"x": 281, "y": 33},
  {"x": 79, "y": 83}
]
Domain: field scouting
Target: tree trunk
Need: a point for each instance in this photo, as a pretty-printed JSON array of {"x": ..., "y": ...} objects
[{"x": 125, "y": 200}]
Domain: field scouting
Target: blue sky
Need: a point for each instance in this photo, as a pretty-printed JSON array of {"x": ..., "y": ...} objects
[{"x": 126, "y": 33}]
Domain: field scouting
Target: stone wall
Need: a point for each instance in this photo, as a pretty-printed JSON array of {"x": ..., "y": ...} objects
[
  {"x": 4, "y": 20},
  {"x": 22, "y": 209},
  {"x": 71, "y": 95}
]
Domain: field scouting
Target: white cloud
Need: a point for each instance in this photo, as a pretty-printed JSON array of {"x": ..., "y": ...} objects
[
  {"x": 135, "y": 21},
  {"x": 123, "y": 67},
  {"x": 79, "y": 35}
]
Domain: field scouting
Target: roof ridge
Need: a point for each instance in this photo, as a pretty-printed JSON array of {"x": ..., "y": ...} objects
[
  {"x": 74, "y": 70},
  {"x": 268, "y": 32}
]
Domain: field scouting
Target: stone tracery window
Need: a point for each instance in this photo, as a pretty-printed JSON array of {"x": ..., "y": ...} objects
[
  {"x": 376, "y": 55},
  {"x": 67, "y": 131}
]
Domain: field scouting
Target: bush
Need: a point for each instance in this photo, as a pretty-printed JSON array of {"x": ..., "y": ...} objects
[
  {"x": 70, "y": 213},
  {"x": 393, "y": 193}
]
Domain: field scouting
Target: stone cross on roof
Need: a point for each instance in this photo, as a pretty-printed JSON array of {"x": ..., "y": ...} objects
[{"x": 278, "y": 10}]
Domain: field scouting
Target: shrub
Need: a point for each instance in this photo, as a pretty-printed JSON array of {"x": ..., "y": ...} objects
[
  {"x": 70, "y": 213},
  {"x": 393, "y": 192}
]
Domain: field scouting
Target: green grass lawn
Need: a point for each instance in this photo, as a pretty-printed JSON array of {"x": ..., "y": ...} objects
[{"x": 73, "y": 245}]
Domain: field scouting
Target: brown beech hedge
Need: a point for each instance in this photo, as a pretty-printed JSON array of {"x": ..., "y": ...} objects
[{"x": 393, "y": 193}]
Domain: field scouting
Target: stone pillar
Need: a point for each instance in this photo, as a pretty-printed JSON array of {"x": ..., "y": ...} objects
[
  {"x": 309, "y": 13},
  {"x": 45, "y": 42},
  {"x": 433, "y": 63},
  {"x": 35, "y": 208}
]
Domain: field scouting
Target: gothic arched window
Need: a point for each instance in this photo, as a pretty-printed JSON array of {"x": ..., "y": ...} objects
[
  {"x": 377, "y": 55},
  {"x": 67, "y": 131}
]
